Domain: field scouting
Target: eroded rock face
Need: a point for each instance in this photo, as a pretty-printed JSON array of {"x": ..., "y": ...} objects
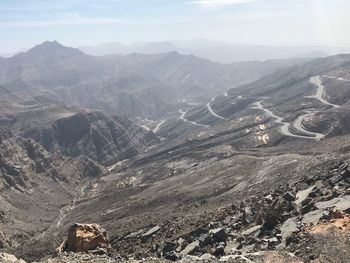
[
  {"x": 85, "y": 237},
  {"x": 104, "y": 138}
]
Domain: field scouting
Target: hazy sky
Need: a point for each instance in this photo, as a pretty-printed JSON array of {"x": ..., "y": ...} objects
[{"x": 24, "y": 23}]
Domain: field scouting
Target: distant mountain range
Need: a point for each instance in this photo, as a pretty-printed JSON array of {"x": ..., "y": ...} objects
[
  {"x": 215, "y": 51},
  {"x": 212, "y": 50},
  {"x": 138, "y": 85}
]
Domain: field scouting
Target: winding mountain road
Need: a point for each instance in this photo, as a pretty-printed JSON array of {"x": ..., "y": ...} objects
[
  {"x": 331, "y": 77},
  {"x": 298, "y": 123},
  {"x": 320, "y": 90},
  {"x": 285, "y": 125},
  {"x": 182, "y": 117},
  {"x": 145, "y": 127},
  {"x": 212, "y": 112},
  {"x": 156, "y": 129}
]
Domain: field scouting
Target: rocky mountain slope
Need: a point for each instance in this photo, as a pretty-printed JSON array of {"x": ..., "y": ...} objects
[
  {"x": 42, "y": 180},
  {"x": 296, "y": 100},
  {"x": 256, "y": 174},
  {"x": 137, "y": 85},
  {"x": 299, "y": 219},
  {"x": 29, "y": 175},
  {"x": 104, "y": 138}
]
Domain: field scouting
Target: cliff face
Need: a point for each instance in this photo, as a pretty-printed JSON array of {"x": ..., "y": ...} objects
[
  {"x": 104, "y": 138},
  {"x": 34, "y": 186}
]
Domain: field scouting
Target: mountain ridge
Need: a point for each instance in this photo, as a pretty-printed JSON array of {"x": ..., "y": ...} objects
[
  {"x": 218, "y": 160},
  {"x": 216, "y": 51},
  {"x": 81, "y": 80}
]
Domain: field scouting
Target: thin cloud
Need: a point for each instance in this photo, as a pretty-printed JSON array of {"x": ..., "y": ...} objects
[
  {"x": 216, "y": 3},
  {"x": 76, "y": 20},
  {"x": 52, "y": 5}
]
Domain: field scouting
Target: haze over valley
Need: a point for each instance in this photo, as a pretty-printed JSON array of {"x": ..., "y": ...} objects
[{"x": 174, "y": 151}]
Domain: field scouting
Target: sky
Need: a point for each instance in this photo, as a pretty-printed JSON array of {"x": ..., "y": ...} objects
[{"x": 25, "y": 23}]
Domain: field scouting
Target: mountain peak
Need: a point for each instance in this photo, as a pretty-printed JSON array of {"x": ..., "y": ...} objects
[
  {"x": 54, "y": 47},
  {"x": 49, "y": 45}
]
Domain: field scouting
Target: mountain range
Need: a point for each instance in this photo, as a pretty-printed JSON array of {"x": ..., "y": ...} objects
[
  {"x": 177, "y": 157},
  {"x": 137, "y": 85},
  {"x": 215, "y": 51}
]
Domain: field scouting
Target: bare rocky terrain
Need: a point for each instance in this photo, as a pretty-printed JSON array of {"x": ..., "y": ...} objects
[{"x": 193, "y": 168}]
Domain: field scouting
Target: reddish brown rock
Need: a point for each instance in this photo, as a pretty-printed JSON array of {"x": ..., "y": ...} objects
[{"x": 85, "y": 237}]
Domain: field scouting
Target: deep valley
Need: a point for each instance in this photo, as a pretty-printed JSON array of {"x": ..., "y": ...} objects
[{"x": 177, "y": 157}]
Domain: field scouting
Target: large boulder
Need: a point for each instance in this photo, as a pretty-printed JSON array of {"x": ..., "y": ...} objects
[
  {"x": 218, "y": 234},
  {"x": 289, "y": 227},
  {"x": 191, "y": 249},
  {"x": 252, "y": 231},
  {"x": 340, "y": 203},
  {"x": 152, "y": 231},
  {"x": 85, "y": 237},
  {"x": 313, "y": 217},
  {"x": 303, "y": 194}
]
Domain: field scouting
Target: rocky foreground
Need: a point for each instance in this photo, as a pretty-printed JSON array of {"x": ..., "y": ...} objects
[{"x": 305, "y": 222}]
